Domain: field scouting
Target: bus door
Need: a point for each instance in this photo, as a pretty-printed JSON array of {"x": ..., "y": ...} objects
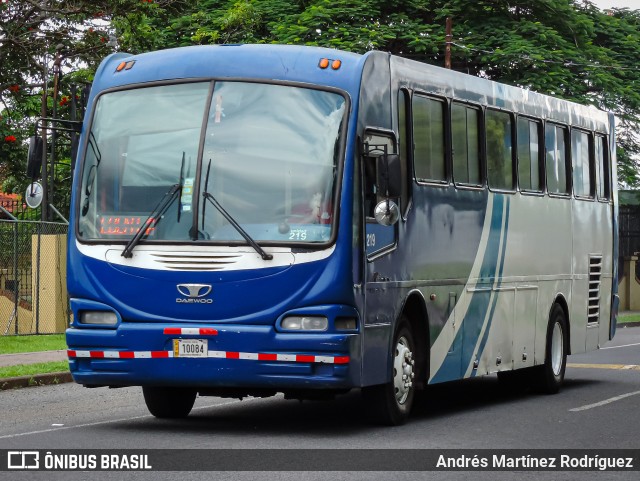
[{"x": 380, "y": 241}]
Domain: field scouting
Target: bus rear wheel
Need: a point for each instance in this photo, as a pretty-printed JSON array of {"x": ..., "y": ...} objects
[
  {"x": 550, "y": 375},
  {"x": 390, "y": 403},
  {"x": 169, "y": 402}
]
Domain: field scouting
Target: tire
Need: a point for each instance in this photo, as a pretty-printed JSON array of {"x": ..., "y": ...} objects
[
  {"x": 550, "y": 375},
  {"x": 169, "y": 402},
  {"x": 390, "y": 404}
]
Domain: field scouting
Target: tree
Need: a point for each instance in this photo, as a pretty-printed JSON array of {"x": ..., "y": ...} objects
[
  {"x": 565, "y": 48},
  {"x": 33, "y": 34}
]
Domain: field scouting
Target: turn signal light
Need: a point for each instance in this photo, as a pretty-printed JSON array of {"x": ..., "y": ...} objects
[
  {"x": 125, "y": 65},
  {"x": 325, "y": 62}
]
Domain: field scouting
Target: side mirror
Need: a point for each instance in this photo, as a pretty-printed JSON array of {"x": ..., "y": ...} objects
[
  {"x": 34, "y": 157},
  {"x": 388, "y": 173},
  {"x": 387, "y": 213}
]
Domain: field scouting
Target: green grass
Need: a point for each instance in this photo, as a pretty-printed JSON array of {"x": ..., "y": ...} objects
[
  {"x": 622, "y": 319},
  {"x": 16, "y": 344},
  {"x": 32, "y": 369}
]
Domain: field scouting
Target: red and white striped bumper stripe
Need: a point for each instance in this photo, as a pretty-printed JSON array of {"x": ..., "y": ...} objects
[
  {"x": 249, "y": 356},
  {"x": 197, "y": 331}
]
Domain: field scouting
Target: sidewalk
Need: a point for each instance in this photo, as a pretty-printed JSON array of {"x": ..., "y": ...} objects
[
  {"x": 32, "y": 357},
  {"x": 35, "y": 379}
]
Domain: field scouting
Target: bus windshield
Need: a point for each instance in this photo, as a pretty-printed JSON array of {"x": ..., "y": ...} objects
[{"x": 267, "y": 153}]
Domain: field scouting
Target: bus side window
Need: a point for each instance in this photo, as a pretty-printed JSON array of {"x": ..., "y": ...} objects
[
  {"x": 429, "y": 146},
  {"x": 465, "y": 142},
  {"x": 556, "y": 159},
  {"x": 530, "y": 171},
  {"x": 499, "y": 149},
  {"x": 582, "y": 164},
  {"x": 602, "y": 160}
]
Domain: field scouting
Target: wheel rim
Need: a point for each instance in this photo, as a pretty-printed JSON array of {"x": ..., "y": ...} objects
[
  {"x": 403, "y": 370},
  {"x": 557, "y": 349}
]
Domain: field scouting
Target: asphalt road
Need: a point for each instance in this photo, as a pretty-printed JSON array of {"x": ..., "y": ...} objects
[{"x": 598, "y": 408}]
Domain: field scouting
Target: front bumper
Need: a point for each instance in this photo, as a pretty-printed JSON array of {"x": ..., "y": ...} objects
[{"x": 239, "y": 356}]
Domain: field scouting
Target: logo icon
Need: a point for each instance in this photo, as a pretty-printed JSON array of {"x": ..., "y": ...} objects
[
  {"x": 194, "y": 291},
  {"x": 23, "y": 459}
]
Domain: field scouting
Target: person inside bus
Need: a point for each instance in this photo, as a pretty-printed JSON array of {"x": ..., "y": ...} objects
[
  {"x": 309, "y": 212},
  {"x": 314, "y": 211}
]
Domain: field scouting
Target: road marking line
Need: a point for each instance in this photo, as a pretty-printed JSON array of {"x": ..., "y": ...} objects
[
  {"x": 605, "y": 402},
  {"x": 623, "y": 367},
  {"x": 98, "y": 423},
  {"x": 617, "y": 347}
]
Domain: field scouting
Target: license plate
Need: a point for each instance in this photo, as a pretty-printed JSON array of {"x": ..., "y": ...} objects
[{"x": 190, "y": 348}]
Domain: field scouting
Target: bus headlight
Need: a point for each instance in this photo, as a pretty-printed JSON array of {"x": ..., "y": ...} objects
[
  {"x": 104, "y": 318},
  {"x": 305, "y": 323}
]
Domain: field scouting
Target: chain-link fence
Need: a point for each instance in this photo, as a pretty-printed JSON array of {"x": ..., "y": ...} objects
[
  {"x": 629, "y": 219},
  {"x": 33, "y": 294}
]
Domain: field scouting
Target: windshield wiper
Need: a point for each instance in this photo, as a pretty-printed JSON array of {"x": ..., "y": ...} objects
[
  {"x": 181, "y": 183},
  {"x": 153, "y": 218},
  {"x": 265, "y": 256},
  {"x": 157, "y": 213}
]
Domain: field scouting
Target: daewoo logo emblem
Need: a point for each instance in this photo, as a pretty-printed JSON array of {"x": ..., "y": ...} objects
[{"x": 194, "y": 293}]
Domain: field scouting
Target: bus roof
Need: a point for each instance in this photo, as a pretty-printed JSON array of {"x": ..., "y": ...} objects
[
  {"x": 301, "y": 64},
  {"x": 286, "y": 63},
  {"x": 442, "y": 82}
]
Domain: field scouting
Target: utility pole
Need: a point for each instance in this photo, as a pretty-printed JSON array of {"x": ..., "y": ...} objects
[
  {"x": 447, "y": 44},
  {"x": 44, "y": 211},
  {"x": 57, "y": 62}
]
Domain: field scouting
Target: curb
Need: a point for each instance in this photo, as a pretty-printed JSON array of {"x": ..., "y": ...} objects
[
  {"x": 628, "y": 324},
  {"x": 35, "y": 380}
]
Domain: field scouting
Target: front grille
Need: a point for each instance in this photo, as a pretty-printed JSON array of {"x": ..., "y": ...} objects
[{"x": 195, "y": 262}]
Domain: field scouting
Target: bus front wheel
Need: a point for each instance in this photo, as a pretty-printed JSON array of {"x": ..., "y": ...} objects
[
  {"x": 169, "y": 402},
  {"x": 390, "y": 403}
]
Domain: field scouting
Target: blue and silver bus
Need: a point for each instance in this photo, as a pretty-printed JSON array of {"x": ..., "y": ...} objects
[{"x": 258, "y": 219}]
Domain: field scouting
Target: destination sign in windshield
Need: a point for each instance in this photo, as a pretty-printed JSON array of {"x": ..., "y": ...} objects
[{"x": 123, "y": 225}]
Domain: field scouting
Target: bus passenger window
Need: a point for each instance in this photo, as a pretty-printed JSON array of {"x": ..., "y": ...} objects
[
  {"x": 529, "y": 155},
  {"x": 582, "y": 170},
  {"x": 465, "y": 144},
  {"x": 602, "y": 158},
  {"x": 556, "y": 159},
  {"x": 499, "y": 150},
  {"x": 428, "y": 132}
]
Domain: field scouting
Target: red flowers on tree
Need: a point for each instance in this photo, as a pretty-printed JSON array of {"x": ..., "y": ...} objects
[
  {"x": 14, "y": 88},
  {"x": 10, "y": 138}
]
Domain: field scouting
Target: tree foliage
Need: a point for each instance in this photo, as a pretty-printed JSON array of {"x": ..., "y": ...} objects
[
  {"x": 565, "y": 48},
  {"x": 33, "y": 33}
]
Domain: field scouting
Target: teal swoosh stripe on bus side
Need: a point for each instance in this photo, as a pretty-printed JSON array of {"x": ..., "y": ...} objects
[
  {"x": 467, "y": 336},
  {"x": 494, "y": 300}
]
